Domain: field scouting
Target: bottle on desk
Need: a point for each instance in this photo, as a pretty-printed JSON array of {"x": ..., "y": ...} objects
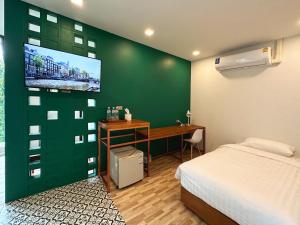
[
  {"x": 117, "y": 114},
  {"x": 113, "y": 114},
  {"x": 108, "y": 114}
]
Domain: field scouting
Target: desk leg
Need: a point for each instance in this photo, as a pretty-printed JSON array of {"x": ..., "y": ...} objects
[
  {"x": 108, "y": 162},
  {"x": 167, "y": 145},
  {"x": 148, "y": 156},
  {"x": 135, "y": 137},
  {"x": 204, "y": 140},
  {"x": 99, "y": 150},
  {"x": 181, "y": 149}
]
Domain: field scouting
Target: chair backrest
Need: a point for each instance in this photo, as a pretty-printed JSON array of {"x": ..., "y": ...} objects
[{"x": 197, "y": 136}]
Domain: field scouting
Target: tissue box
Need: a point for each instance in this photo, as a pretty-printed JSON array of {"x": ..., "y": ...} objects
[{"x": 128, "y": 117}]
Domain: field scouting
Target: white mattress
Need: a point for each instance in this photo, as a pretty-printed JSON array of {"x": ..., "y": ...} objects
[{"x": 250, "y": 186}]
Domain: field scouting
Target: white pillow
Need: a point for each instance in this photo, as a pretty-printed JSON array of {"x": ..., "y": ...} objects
[{"x": 270, "y": 146}]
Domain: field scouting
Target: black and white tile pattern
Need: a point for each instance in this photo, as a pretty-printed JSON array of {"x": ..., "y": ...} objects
[{"x": 85, "y": 202}]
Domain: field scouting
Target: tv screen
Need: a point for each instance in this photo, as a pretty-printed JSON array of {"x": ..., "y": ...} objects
[{"x": 48, "y": 68}]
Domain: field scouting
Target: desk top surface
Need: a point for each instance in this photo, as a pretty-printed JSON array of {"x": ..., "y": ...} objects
[
  {"x": 170, "y": 131},
  {"x": 123, "y": 125}
]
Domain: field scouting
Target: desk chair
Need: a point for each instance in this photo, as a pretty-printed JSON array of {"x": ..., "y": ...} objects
[{"x": 194, "y": 141}]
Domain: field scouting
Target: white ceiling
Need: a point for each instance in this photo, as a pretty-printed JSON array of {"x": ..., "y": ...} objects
[{"x": 182, "y": 26}]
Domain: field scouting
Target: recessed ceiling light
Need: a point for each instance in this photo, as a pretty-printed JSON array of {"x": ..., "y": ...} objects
[
  {"x": 196, "y": 52},
  {"x": 77, "y": 2},
  {"x": 149, "y": 32}
]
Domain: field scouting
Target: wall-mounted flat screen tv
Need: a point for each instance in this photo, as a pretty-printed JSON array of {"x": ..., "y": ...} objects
[{"x": 48, "y": 68}]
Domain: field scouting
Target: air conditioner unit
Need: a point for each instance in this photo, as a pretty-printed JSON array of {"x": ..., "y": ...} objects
[{"x": 262, "y": 56}]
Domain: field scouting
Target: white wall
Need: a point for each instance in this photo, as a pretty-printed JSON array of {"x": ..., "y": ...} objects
[{"x": 261, "y": 102}]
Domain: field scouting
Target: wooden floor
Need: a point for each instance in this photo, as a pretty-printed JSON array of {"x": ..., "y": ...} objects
[{"x": 156, "y": 199}]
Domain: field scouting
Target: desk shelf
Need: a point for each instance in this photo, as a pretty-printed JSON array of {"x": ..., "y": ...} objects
[
  {"x": 109, "y": 127},
  {"x": 125, "y": 143},
  {"x": 173, "y": 131}
]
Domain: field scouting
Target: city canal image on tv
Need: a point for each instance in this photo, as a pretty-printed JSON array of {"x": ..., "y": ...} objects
[{"x": 47, "y": 68}]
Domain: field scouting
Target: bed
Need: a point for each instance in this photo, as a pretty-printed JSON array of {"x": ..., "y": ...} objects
[{"x": 236, "y": 184}]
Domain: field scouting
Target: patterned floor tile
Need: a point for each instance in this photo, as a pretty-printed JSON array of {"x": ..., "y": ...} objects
[{"x": 85, "y": 202}]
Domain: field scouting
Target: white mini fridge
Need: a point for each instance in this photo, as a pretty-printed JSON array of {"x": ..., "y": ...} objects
[{"x": 126, "y": 166}]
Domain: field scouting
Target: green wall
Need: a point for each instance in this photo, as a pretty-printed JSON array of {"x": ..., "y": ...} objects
[{"x": 154, "y": 85}]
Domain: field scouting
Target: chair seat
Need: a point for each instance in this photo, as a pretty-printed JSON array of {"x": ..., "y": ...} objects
[{"x": 191, "y": 141}]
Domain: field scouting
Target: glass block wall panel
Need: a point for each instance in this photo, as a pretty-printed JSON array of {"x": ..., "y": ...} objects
[
  {"x": 91, "y": 103},
  {"x": 78, "y": 40},
  {"x": 52, "y": 115},
  {"x": 78, "y": 115},
  {"x": 34, "y": 159},
  {"x": 34, "y": 100},
  {"x": 92, "y": 126},
  {"x": 34, "y": 12},
  {"x": 34, "y": 130},
  {"x": 34, "y": 144},
  {"x": 52, "y": 18},
  {"x": 92, "y": 172},
  {"x": 91, "y": 55},
  {"x": 91, "y": 44},
  {"x": 34, "y": 27},
  {"x": 78, "y": 27},
  {"x": 91, "y": 160},
  {"x": 34, "y": 41},
  {"x": 34, "y": 89},
  {"x": 35, "y": 173},
  {"x": 79, "y": 139},
  {"x": 92, "y": 137}
]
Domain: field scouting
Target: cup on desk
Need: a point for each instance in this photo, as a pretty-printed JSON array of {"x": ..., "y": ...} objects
[{"x": 128, "y": 116}]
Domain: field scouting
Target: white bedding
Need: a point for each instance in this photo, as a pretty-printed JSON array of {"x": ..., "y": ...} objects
[{"x": 250, "y": 186}]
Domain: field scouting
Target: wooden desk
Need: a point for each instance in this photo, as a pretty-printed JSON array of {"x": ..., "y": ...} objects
[
  {"x": 119, "y": 126},
  {"x": 172, "y": 131}
]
